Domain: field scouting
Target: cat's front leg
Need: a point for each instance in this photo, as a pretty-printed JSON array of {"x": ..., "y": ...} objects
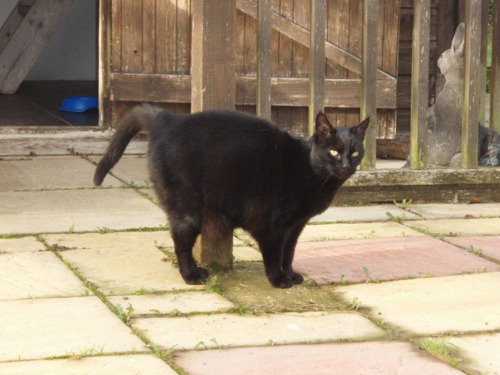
[
  {"x": 271, "y": 247},
  {"x": 289, "y": 252}
]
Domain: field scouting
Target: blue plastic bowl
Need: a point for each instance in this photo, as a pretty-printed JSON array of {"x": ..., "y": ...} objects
[{"x": 79, "y": 104}]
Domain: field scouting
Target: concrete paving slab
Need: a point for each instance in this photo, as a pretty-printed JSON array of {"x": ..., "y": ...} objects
[
  {"x": 324, "y": 232},
  {"x": 246, "y": 254},
  {"x": 433, "y": 306},
  {"x": 374, "y": 358},
  {"x": 382, "y": 259},
  {"x": 485, "y": 245},
  {"x": 127, "y": 269},
  {"x": 45, "y": 328},
  {"x": 173, "y": 303},
  {"x": 480, "y": 352},
  {"x": 214, "y": 331},
  {"x": 105, "y": 365},
  {"x": 130, "y": 168},
  {"x": 76, "y": 210},
  {"x": 456, "y": 211},
  {"x": 459, "y": 227},
  {"x": 362, "y": 214},
  {"x": 48, "y": 172},
  {"x": 35, "y": 275},
  {"x": 14, "y": 245}
]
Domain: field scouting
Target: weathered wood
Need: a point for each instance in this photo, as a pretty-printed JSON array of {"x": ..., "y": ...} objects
[
  {"x": 105, "y": 53},
  {"x": 264, "y": 59},
  {"x": 472, "y": 71},
  {"x": 495, "y": 70},
  {"x": 29, "y": 40},
  {"x": 483, "y": 57},
  {"x": 420, "y": 84},
  {"x": 285, "y": 91},
  {"x": 12, "y": 22},
  {"x": 368, "y": 82},
  {"x": 317, "y": 62}
]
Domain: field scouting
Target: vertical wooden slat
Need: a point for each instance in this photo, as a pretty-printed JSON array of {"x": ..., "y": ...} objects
[
  {"x": 484, "y": 53},
  {"x": 104, "y": 64},
  {"x": 183, "y": 39},
  {"x": 149, "y": 36},
  {"x": 116, "y": 36},
  {"x": 317, "y": 61},
  {"x": 495, "y": 70},
  {"x": 264, "y": 58},
  {"x": 420, "y": 83},
  {"x": 470, "y": 109},
  {"x": 131, "y": 36},
  {"x": 369, "y": 81}
]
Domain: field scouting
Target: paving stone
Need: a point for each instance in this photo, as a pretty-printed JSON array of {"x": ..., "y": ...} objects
[
  {"x": 322, "y": 232},
  {"x": 435, "y": 305},
  {"x": 77, "y": 210},
  {"x": 173, "y": 303},
  {"x": 130, "y": 168},
  {"x": 48, "y": 172},
  {"x": 14, "y": 245},
  {"x": 102, "y": 365},
  {"x": 456, "y": 211},
  {"x": 126, "y": 268},
  {"x": 459, "y": 227},
  {"x": 480, "y": 352},
  {"x": 382, "y": 259},
  {"x": 36, "y": 274},
  {"x": 362, "y": 214},
  {"x": 213, "y": 331},
  {"x": 44, "y": 328},
  {"x": 246, "y": 254},
  {"x": 375, "y": 358},
  {"x": 487, "y": 245}
]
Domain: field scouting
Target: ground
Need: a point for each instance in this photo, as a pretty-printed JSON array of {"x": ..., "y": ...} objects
[{"x": 88, "y": 284}]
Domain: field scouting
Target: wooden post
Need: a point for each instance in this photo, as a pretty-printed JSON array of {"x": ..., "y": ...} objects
[
  {"x": 472, "y": 77},
  {"x": 369, "y": 81},
  {"x": 317, "y": 61},
  {"x": 264, "y": 58},
  {"x": 420, "y": 83},
  {"x": 213, "y": 86},
  {"x": 495, "y": 70},
  {"x": 484, "y": 56}
]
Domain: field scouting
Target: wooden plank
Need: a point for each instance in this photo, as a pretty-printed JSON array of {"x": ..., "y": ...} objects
[
  {"x": 484, "y": 55},
  {"x": 148, "y": 36},
  {"x": 368, "y": 81},
  {"x": 131, "y": 34},
  {"x": 301, "y": 16},
  {"x": 285, "y": 91},
  {"x": 10, "y": 26},
  {"x": 495, "y": 70},
  {"x": 115, "y": 23},
  {"x": 420, "y": 85},
  {"x": 264, "y": 59},
  {"x": 301, "y": 35},
  {"x": 317, "y": 62},
  {"x": 472, "y": 72},
  {"x": 183, "y": 42},
  {"x": 29, "y": 40},
  {"x": 105, "y": 53}
]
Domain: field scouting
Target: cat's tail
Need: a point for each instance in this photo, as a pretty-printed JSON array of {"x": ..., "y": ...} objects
[{"x": 137, "y": 119}]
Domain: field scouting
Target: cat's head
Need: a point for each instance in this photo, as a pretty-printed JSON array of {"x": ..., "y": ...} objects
[{"x": 337, "y": 152}]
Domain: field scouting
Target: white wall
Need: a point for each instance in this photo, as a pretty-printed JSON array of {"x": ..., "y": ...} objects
[{"x": 71, "y": 54}]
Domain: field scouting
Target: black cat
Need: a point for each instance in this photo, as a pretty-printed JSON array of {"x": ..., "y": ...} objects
[{"x": 242, "y": 171}]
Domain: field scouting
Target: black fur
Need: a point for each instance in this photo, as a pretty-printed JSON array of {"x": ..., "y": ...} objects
[{"x": 243, "y": 172}]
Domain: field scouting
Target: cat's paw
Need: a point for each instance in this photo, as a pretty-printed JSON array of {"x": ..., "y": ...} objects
[
  {"x": 297, "y": 278},
  {"x": 281, "y": 281},
  {"x": 196, "y": 277}
]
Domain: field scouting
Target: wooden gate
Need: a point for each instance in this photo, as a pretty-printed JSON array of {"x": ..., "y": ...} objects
[{"x": 146, "y": 57}]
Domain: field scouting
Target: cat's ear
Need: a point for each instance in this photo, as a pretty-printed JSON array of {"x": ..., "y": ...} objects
[
  {"x": 324, "y": 129},
  {"x": 360, "y": 129}
]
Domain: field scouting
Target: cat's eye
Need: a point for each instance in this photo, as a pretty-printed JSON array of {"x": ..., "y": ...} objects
[
  {"x": 355, "y": 154},
  {"x": 334, "y": 153}
]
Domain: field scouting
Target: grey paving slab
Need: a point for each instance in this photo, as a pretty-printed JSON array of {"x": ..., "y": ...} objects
[
  {"x": 456, "y": 211},
  {"x": 48, "y": 172},
  {"x": 35, "y": 275},
  {"x": 213, "y": 331},
  {"x": 126, "y": 269},
  {"x": 362, "y": 214},
  {"x": 484, "y": 245},
  {"x": 76, "y": 210},
  {"x": 246, "y": 254},
  {"x": 480, "y": 352},
  {"x": 459, "y": 227},
  {"x": 373, "y": 358},
  {"x": 435, "y": 305},
  {"x": 104, "y": 365},
  {"x": 173, "y": 303},
  {"x": 382, "y": 259},
  {"x": 130, "y": 168},
  {"x": 14, "y": 245},
  {"x": 340, "y": 231},
  {"x": 44, "y": 328}
]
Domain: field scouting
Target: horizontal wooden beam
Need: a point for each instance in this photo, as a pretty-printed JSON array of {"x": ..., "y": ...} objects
[{"x": 293, "y": 92}]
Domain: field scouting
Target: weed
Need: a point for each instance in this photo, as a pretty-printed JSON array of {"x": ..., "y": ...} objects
[
  {"x": 343, "y": 280},
  {"x": 71, "y": 229},
  {"x": 404, "y": 203},
  {"x": 397, "y": 219},
  {"x": 141, "y": 291},
  {"x": 355, "y": 304},
  {"x": 369, "y": 279},
  {"x": 126, "y": 314},
  {"x": 440, "y": 349},
  {"x": 475, "y": 251},
  {"x": 104, "y": 230},
  {"x": 213, "y": 285}
]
